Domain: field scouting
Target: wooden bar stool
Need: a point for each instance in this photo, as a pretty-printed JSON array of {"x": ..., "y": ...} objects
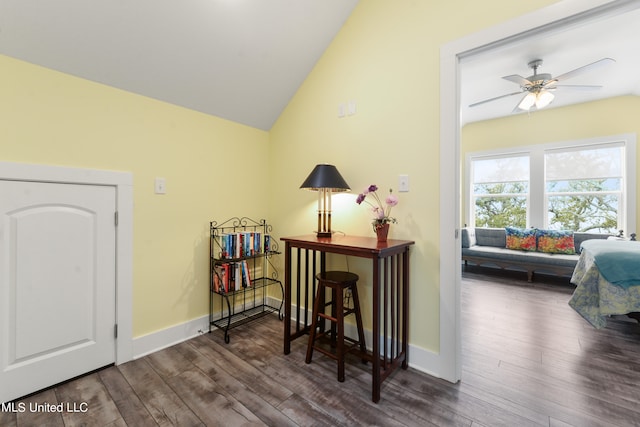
[{"x": 339, "y": 282}]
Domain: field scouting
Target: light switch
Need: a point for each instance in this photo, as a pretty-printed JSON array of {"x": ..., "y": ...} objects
[
  {"x": 351, "y": 107},
  {"x": 403, "y": 183},
  {"x": 161, "y": 186}
]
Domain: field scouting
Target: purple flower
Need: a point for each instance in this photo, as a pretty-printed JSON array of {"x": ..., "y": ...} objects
[{"x": 380, "y": 212}]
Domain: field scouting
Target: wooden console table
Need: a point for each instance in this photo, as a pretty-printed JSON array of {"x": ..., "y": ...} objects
[{"x": 306, "y": 255}]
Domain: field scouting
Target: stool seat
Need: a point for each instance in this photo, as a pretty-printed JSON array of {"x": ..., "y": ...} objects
[
  {"x": 338, "y": 277},
  {"x": 338, "y": 282}
]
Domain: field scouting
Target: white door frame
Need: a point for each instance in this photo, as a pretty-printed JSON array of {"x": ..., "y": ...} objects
[
  {"x": 558, "y": 14},
  {"x": 123, "y": 182}
]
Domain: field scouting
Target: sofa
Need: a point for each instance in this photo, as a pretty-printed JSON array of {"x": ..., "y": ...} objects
[{"x": 523, "y": 249}]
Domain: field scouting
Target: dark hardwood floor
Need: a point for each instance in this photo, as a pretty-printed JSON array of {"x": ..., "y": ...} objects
[{"x": 528, "y": 360}]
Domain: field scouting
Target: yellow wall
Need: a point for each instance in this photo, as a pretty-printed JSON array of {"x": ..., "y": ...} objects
[
  {"x": 387, "y": 59},
  {"x": 53, "y": 118},
  {"x": 583, "y": 121}
]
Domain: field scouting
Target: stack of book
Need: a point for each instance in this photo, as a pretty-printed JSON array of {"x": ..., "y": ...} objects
[
  {"x": 244, "y": 244},
  {"x": 231, "y": 276}
]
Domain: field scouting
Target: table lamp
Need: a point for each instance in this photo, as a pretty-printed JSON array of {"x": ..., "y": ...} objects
[{"x": 325, "y": 179}]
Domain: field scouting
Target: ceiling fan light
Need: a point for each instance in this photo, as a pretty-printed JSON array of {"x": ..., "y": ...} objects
[
  {"x": 543, "y": 99},
  {"x": 527, "y": 102}
]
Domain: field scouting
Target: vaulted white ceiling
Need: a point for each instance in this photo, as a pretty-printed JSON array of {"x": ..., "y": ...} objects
[{"x": 241, "y": 60}]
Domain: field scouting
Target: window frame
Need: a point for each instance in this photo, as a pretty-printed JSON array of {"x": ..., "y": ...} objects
[{"x": 537, "y": 197}]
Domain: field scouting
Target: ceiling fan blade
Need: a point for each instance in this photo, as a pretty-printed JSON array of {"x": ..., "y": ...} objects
[
  {"x": 585, "y": 68},
  {"x": 518, "y": 80},
  {"x": 494, "y": 99},
  {"x": 577, "y": 87}
]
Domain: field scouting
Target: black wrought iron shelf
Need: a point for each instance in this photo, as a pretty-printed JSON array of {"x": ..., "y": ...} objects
[{"x": 233, "y": 269}]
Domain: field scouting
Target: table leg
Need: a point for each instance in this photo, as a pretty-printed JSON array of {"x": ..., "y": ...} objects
[
  {"x": 287, "y": 298},
  {"x": 405, "y": 308},
  {"x": 375, "y": 382}
]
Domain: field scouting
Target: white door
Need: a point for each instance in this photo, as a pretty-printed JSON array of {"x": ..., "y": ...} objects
[{"x": 57, "y": 283}]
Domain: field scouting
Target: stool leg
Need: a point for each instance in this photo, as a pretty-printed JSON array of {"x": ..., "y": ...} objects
[
  {"x": 314, "y": 323},
  {"x": 339, "y": 303},
  {"x": 334, "y": 314},
  {"x": 356, "y": 306}
]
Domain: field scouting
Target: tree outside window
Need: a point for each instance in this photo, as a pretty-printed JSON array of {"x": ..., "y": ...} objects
[
  {"x": 500, "y": 191},
  {"x": 578, "y": 186},
  {"x": 501, "y": 205}
]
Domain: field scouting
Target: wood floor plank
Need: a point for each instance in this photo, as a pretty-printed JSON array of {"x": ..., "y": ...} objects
[
  {"x": 34, "y": 416},
  {"x": 305, "y": 412},
  {"x": 221, "y": 363},
  {"x": 8, "y": 418},
  {"x": 255, "y": 401},
  {"x": 169, "y": 362},
  {"x": 164, "y": 405},
  {"x": 133, "y": 411},
  {"x": 210, "y": 401},
  {"x": 87, "y": 402}
]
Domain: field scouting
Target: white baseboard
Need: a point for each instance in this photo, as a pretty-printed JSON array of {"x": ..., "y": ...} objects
[
  {"x": 155, "y": 341},
  {"x": 428, "y": 362},
  {"x": 419, "y": 358},
  {"x": 164, "y": 338}
]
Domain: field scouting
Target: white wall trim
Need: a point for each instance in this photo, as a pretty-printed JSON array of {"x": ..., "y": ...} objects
[
  {"x": 158, "y": 340},
  {"x": 448, "y": 363},
  {"x": 155, "y": 341},
  {"x": 123, "y": 181}
]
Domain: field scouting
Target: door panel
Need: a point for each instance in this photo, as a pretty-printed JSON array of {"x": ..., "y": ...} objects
[{"x": 57, "y": 284}]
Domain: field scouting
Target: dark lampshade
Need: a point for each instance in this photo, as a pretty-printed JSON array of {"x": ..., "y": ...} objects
[
  {"x": 325, "y": 176},
  {"x": 325, "y": 179}
]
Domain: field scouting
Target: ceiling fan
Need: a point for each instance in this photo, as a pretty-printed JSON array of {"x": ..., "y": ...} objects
[{"x": 538, "y": 87}]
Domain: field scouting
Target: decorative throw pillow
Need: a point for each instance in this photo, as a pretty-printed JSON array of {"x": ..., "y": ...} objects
[
  {"x": 522, "y": 239},
  {"x": 556, "y": 241}
]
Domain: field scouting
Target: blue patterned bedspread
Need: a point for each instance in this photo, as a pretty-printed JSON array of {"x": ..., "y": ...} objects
[
  {"x": 618, "y": 260},
  {"x": 595, "y": 298}
]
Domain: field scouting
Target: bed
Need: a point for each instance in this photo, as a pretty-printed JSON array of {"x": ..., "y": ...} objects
[{"x": 607, "y": 279}]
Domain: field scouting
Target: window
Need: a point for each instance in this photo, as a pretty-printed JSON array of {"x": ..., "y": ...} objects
[
  {"x": 579, "y": 185},
  {"x": 501, "y": 191},
  {"x": 583, "y": 188}
]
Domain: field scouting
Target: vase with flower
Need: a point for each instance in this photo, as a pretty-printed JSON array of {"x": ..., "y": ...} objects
[{"x": 381, "y": 211}]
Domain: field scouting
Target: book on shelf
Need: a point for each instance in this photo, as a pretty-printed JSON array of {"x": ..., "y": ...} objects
[
  {"x": 255, "y": 243},
  {"x": 224, "y": 278},
  {"x": 246, "y": 274},
  {"x": 226, "y": 245},
  {"x": 238, "y": 276},
  {"x": 240, "y": 248},
  {"x": 217, "y": 278}
]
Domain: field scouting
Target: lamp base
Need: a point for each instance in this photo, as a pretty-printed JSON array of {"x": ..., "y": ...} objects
[{"x": 323, "y": 234}]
